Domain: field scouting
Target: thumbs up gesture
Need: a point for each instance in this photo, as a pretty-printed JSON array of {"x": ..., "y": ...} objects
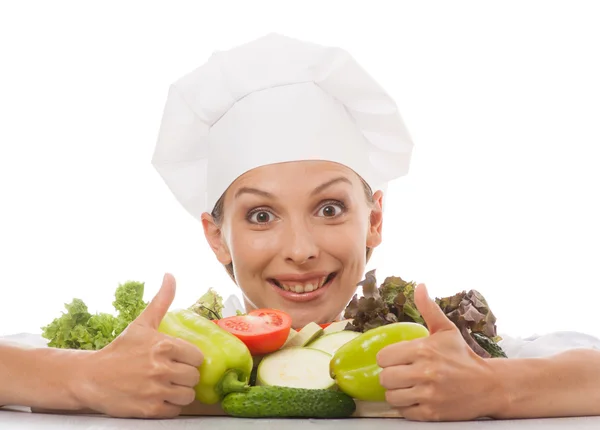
[
  {"x": 439, "y": 377},
  {"x": 142, "y": 373}
]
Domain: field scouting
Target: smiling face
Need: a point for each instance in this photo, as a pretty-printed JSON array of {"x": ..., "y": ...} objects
[{"x": 296, "y": 234}]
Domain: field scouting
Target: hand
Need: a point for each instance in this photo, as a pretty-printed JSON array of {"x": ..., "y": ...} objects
[
  {"x": 439, "y": 377},
  {"x": 142, "y": 373}
]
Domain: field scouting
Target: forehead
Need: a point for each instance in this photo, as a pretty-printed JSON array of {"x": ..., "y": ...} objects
[{"x": 294, "y": 177}]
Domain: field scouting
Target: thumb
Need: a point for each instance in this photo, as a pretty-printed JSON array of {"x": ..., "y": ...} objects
[
  {"x": 433, "y": 315},
  {"x": 158, "y": 307}
]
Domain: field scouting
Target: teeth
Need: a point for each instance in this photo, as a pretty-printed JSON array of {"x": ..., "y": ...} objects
[{"x": 303, "y": 288}]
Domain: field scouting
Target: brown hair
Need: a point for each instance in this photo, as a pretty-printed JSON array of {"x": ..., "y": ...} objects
[{"x": 219, "y": 208}]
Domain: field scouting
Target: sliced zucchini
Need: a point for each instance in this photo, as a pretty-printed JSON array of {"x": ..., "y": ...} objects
[
  {"x": 336, "y": 326},
  {"x": 292, "y": 335},
  {"x": 330, "y": 343},
  {"x": 296, "y": 367},
  {"x": 308, "y": 333}
]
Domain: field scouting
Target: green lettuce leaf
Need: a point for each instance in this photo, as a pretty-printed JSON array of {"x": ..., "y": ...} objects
[
  {"x": 129, "y": 303},
  {"x": 70, "y": 329},
  {"x": 77, "y": 328},
  {"x": 210, "y": 305}
]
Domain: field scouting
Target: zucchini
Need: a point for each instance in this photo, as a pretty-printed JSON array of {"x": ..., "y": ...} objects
[
  {"x": 330, "y": 343},
  {"x": 293, "y": 334},
  {"x": 296, "y": 367},
  {"x": 308, "y": 333},
  {"x": 336, "y": 326},
  {"x": 285, "y": 402}
]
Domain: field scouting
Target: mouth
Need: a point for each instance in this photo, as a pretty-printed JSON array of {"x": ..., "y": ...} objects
[{"x": 304, "y": 287}]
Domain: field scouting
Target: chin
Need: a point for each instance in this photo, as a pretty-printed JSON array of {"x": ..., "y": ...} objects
[
  {"x": 300, "y": 322},
  {"x": 302, "y": 317}
]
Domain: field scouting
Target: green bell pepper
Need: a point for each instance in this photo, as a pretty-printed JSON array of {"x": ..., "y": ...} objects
[
  {"x": 227, "y": 361},
  {"x": 354, "y": 365}
]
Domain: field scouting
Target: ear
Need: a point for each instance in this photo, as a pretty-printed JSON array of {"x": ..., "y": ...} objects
[
  {"x": 375, "y": 221},
  {"x": 214, "y": 237}
]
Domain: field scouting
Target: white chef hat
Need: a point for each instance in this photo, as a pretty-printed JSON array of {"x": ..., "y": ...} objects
[{"x": 275, "y": 100}]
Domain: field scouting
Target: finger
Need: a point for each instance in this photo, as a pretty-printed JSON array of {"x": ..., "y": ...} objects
[
  {"x": 396, "y": 377},
  {"x": 158, "y": 307},
  {"x": 159, "y": 410},
  {"x": 399, "y": 353},
  {"x": 420, "y": 413},
  {"x": 180, "y": 396},
  {"x": 434, "y": 317},
  {"x": 184, "y": 352},
  {"x": 402, "y": 397},
  {"x": 184, "y": 375}
]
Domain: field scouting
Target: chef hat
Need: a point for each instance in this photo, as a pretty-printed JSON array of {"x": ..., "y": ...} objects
[{"x": 275, "y": 100}]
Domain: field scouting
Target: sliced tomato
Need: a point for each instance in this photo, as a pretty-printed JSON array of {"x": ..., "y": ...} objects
[{"x": 263, "y": 330}]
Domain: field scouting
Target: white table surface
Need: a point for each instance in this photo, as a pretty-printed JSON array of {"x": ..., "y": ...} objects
[{"x": 21, "y": 419}]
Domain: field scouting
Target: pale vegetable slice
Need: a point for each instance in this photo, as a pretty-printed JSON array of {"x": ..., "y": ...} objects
[
  {"x": 330, "y": 343},
  {"x": 296, "y": 367},
  {"x": 292, "y": 335},
  {"x": 336, "y": 326},
  {"x": 308, "y": 333}
]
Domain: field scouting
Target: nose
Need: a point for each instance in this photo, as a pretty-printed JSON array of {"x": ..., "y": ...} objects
[{"x": 299, "y": 242}]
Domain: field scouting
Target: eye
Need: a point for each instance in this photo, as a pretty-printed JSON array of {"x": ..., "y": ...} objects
[
  {"x": 260, "y": 217},
  {"x": 331, "y": 210}
]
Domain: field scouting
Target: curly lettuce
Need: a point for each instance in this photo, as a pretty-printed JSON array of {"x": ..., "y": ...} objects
[{"x": 77, "y": 328}]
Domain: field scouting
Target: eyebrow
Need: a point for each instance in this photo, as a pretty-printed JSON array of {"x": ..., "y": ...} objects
[
  {"x": 328, "y": 184},
  {"x": 248, "y": 190},
  {"x": 319, "y": 189}
]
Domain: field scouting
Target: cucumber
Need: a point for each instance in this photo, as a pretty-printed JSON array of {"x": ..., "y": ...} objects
[
  {"x": 296, "y": 367},
  {"x": 309, "y": 332},
  {"x": 330, "y": 343},
  {"x": 284, "y": 402}
]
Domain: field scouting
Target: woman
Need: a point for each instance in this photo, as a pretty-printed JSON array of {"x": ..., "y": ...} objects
[{"x": 283, "y": 150}]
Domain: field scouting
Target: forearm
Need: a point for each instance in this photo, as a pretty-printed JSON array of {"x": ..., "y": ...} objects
[
  {"x": 38, "y": 377},
  {"x": 566, "y": 384}
]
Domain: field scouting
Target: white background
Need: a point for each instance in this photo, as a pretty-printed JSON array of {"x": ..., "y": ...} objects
[{"x": 502, "y": 100}]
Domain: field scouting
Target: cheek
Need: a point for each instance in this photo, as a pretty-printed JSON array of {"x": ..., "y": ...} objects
[
  {"x": 251, "y": 250},
  {"x": 346, "y": 242}
]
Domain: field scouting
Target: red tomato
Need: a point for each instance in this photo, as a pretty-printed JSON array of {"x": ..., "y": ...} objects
[{"x": 263, "y": 330}]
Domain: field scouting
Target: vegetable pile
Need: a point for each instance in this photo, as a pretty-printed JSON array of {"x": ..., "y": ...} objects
[
  {"x": 394, "y": 302},
  {"x": 257, "y": 366}
]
